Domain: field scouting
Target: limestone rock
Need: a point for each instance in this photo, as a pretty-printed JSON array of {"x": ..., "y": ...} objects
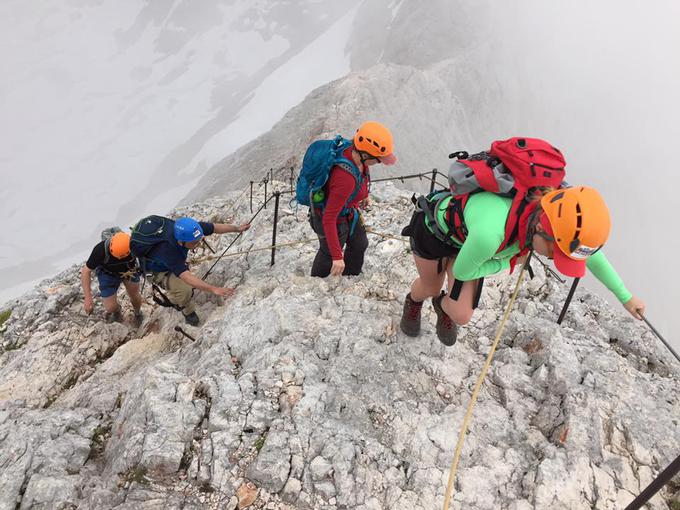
[{"x": 305, "y": 388}]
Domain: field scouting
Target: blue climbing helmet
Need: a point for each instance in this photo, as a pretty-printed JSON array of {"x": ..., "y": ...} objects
[{"x": 188, "y": 230}]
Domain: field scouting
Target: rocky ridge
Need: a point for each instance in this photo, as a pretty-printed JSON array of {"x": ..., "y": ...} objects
[
  {"x": 421, "y": 106},
  {"x": 302, "y": 393}
]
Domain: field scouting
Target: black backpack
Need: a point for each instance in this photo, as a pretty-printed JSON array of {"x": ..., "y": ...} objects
[{"x": 148, "y": 232}]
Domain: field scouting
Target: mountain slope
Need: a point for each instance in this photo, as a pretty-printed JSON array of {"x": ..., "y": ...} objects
[
  {"x": 421, "y": 109},
  {"x": 303, "y": 393}
]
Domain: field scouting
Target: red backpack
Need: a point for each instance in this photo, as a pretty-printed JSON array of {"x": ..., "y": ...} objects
[{"x": 516, "y": 167}]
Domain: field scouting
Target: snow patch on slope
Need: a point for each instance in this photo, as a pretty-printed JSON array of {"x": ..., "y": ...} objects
[{"x": 323, "y": 60}]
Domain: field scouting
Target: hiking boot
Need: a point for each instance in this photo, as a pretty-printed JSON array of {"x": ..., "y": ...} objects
[
  {"x": 138, "y": 318},
  {"x": 192, "y": 319},
  {"x": 447, "y": 330},
  {"x": 410, "y": 318},
  {"x": 116, "y": 316}
]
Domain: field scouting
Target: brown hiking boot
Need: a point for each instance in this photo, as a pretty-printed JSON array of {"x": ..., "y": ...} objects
[
  {"x": 410, "y": 319},
  {"x": 138, "y": 318},
  {"x": 447, "y": 330},
  {"x": 116, "y": 316}
]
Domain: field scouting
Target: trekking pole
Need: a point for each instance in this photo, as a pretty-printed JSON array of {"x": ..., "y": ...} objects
[
  {"x": 251, "y": 197},
  {"x": 276, "y": 220},
  {"x": 434, "y": 179},
  {"x": 475, "y": 393},
  {"x": 291, "y": 178},
  {"x": 271, "y": 175},
  {"x": 658, "y": 335},
  {"x": 568, "y": 301},
  {"x": 664, "y": 477},
  {"x": 180, "y": 330}
]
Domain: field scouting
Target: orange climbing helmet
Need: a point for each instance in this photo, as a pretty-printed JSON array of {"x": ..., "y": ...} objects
[
  {"x": 375, "y": 139},
  {"x": 577, "y": 219},
  {"x": 119, "y": 246}
]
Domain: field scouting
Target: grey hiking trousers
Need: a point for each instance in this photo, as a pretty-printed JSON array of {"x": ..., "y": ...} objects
[{"x": 178, "y": 291}]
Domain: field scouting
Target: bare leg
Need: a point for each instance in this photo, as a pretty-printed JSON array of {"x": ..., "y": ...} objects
[
  {"x": 132, "y": 289},
  {"x": 429, "y": 283},
  {"x": 111, "y": 304},
  {"x": 460, "y": 311}
]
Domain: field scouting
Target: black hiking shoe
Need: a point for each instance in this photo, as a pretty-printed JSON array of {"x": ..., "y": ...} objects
[
  {"x": 192, "y": 319},
  {"x": 116, "y": 316},
  {"x": 138, "y": 318},
  {"x": 410, "y": 318},
  {"x": 447, "y": 330}
]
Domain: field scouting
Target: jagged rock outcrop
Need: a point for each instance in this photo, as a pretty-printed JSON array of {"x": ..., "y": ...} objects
[
  {"x": 421, "y": 107},
  {"x": 302, "y": 393}
]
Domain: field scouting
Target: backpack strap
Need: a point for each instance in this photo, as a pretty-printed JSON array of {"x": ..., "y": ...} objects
[
  {"x": 424, "y": 205},
  {"x": 449, "y": 236},
  {"x": 512, "y": 224},
  {"x": 107, "y": 251},
  {"x": 350, "y": 167},
  {"x": 458, "y": 287},
  {"x": 456, "y": 219}
]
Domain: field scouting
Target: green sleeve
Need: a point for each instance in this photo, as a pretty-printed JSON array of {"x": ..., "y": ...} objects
[
  {"x": 603, "y": 271},
  {"x": 485, "y": 216}
]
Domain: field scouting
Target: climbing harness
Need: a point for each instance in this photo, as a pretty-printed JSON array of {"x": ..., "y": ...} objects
[{"x": 160, "y": 298}]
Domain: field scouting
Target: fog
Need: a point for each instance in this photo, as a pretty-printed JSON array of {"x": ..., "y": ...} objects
[
  {"x": 102, "y": 101},
  {"x": 112, "y": 110},
  {"x": 601, "y": 80}
]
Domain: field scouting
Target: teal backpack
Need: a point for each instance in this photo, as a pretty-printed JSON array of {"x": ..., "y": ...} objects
[{"x": 320, "y": 157}]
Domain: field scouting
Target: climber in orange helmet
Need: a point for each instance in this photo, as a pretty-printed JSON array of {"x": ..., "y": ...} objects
[
  {"x": 114, "y": 264},
  {"x": 568, "y": 225},
  {"x": 344, "y": 185}
]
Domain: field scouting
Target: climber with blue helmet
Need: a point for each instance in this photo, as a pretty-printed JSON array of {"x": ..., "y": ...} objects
[{"x": 162, "y": 246}]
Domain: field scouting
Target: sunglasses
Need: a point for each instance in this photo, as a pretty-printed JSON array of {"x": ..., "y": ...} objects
[{"x": 577, "y": 249}]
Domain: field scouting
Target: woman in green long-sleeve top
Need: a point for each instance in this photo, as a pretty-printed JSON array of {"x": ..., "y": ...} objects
[{"x": 567, "y": 225}]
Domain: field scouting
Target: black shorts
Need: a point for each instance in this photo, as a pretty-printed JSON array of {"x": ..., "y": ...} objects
[{"x": 424, "y": 243}]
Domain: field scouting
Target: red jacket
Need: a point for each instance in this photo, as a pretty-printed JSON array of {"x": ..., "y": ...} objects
[{"x": 340, "y": 186}]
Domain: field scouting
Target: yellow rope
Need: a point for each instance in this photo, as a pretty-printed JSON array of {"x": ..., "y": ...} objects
[
  {"x": 386, "y": 236},
  {"x": 475, "y": 394}
]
